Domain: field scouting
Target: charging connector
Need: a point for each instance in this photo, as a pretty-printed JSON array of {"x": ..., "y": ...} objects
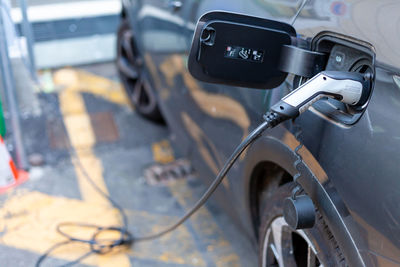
[{"x": 348, "y": 87}]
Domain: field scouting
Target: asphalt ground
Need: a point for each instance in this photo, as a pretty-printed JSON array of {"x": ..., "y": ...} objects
[{"x": 115, "y": 146}]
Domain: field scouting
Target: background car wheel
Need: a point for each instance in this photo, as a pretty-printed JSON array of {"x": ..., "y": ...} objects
[
  {"x": 282, "y": 246},
  {"x": 133, "y": 76}
]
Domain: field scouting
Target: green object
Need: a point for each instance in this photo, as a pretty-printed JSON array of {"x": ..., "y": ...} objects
[{"x": 2, "y": 123}]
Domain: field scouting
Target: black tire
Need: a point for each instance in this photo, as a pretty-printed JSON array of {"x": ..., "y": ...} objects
[
  {"x": 133, "y": 76},
  {"x": 297, "y": 247}
]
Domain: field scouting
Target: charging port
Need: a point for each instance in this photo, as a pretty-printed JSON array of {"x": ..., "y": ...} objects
[{"x": 345, "y": 54}]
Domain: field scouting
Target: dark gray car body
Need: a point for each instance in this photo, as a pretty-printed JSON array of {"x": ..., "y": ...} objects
[{"x": 351, "y": 171}]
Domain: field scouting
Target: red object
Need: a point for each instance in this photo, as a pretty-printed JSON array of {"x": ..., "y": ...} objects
[{"x": 10, "y": 176}]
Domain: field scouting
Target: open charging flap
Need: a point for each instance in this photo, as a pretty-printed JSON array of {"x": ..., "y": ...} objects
[
  {"x": 239, "y": 50},
  {"x": 246, "y": 51}
]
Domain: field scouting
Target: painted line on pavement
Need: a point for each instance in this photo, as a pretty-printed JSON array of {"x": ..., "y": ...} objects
[
  {"x": 29, "y": 220},
  {"x": 32, "y": 226},
  {"x": 82, "y": 138},
  {"x": 162, "y": 152}
]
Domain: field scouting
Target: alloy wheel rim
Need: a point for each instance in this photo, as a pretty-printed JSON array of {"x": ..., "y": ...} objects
[
  {"x": 129, "y": 65},
  {"x": 286, "y": 247}
]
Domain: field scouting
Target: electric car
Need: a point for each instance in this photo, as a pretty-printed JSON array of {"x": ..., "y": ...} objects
[{"x": 351, "y": 156}]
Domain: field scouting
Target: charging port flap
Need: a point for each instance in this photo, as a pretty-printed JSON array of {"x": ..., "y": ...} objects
[
  {"x": 247, "y": 51},
  {"x": 239, "y": 50}
]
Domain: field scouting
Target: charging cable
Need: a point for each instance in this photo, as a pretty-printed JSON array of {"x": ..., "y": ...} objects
[
  {"x": 348, "y": 87},
  {"x": 99, "y": 246}
]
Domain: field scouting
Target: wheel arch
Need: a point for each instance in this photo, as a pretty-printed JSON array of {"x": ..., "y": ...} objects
[
  {"x": 277, "y": 149},
  {"x": 265, "y": 177}
]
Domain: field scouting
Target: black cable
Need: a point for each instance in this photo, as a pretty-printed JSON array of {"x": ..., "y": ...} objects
[
  {"x": 298, "y": 135},
  {"x": 126, "y": 239},
  {"x": 217, "y": 181},
  {"x": 95, "y": 245}
]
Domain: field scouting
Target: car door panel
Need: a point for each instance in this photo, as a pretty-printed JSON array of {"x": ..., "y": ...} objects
[
  {"x": 360, "y": 160},
  {"x": 357, "y": 159}
]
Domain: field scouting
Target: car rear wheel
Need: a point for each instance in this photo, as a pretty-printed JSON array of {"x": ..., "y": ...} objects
[
  {"x": 282, "y": 246},
  {"x": 133, "y": 76}
]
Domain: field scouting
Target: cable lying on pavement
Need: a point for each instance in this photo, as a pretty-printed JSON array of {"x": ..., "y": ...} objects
[
  {"x": 350, "y": 88},
  {"x": 125, "y": 238}
]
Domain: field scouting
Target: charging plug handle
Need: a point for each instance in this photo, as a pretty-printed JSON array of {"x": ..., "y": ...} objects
[{"x": 348, "y": 87}]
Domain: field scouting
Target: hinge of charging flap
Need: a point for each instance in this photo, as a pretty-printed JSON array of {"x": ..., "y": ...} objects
[{"x": 301, "y": 61}]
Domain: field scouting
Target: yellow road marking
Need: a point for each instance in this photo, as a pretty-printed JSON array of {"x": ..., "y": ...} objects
[
  {"x": 32, "y": 227},
  {"x": 82, "y": 138},
  {"x": 85, "y": 82},
  {"x": 162, "y": 152},
  {"x": 28, "y": 220}
]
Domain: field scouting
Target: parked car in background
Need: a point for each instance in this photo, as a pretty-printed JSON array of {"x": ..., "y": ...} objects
[{"x": 352, "y": 156}]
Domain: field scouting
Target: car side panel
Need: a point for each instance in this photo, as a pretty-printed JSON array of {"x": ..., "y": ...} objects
[{"x": 363, "y": 161}]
